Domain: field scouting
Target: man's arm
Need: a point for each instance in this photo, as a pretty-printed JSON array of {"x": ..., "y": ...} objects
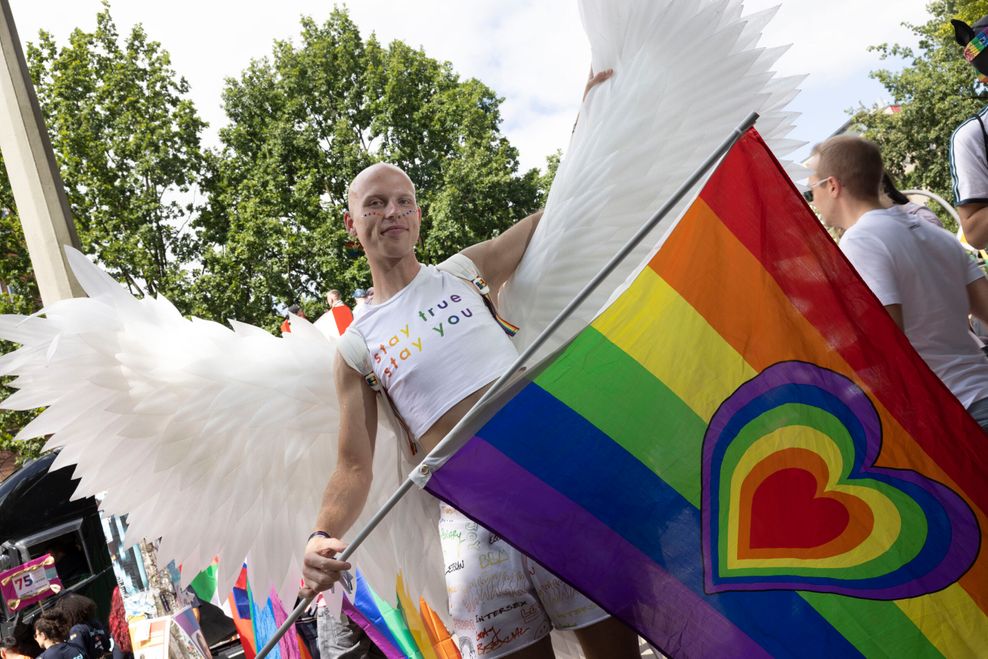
[
  {"x": 977, "y": 295},
  {"x": 346, "y": 491},
  {"x": 974, "y": 221},
  {"x": 498, "y": 257}
]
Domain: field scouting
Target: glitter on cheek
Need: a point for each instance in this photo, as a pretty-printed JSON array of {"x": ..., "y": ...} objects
[{"x": 403, "y": 214}]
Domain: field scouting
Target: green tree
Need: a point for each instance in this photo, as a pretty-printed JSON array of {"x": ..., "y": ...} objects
[
  {"x": 936, "y": 91},
  {"x": 302, "y": 123},
  {"x": 18, "y": 295},
  {"x": 126, "y": 138}
]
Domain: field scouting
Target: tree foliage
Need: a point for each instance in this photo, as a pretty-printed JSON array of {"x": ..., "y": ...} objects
[
  {"x": 303, "y": 122},
  {"x": 936, "y": 91},
  {"x": 126, "y": 138}
]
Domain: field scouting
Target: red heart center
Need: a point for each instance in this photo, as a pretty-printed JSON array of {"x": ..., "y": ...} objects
[{"x": 788, "y": 511}]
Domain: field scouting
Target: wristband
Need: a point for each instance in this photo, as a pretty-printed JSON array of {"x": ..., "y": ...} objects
[{"x": 318, "y": 534}]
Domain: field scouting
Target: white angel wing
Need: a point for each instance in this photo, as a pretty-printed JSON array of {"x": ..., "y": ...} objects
[
  {"x": 219, "y": 440},
  {"x": 685, "y": 75}
]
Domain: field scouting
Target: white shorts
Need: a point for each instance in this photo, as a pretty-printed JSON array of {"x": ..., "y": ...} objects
[{"x": 500, "y": 600}]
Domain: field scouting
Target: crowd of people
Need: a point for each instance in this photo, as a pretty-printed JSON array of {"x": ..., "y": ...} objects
[
  {"x": 68, "y": 629},
  {"x": 927, "y": 281}
]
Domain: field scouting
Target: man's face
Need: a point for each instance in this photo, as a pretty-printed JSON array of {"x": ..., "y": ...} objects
[
  {"x": 383, "y": 213},
  {"x": 332, "y": 298}
]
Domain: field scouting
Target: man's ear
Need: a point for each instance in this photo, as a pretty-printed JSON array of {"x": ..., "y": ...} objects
[
  {"x": 348, "y": 223},
  {"x": 963, "y": 33},
  {"x": 835, "y": 186}
]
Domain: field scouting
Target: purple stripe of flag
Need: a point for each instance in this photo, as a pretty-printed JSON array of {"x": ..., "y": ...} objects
[
  {"x": 378, "y": 639},
  {"x": 624, "y": 581}
]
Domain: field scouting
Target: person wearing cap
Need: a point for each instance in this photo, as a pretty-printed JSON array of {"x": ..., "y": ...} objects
[
  {"x": 359, "y": 302},
  {"x": 969, "y": 143}
]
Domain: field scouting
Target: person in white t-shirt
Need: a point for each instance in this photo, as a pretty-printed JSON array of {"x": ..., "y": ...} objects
[
  {"x": 924, "y": 277},
  {"x": 969, "y": 143}
]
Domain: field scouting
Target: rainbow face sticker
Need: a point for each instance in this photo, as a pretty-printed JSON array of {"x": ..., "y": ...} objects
[
  {"x": 973, "y": 50},
  {"x": 793, "y": 500}
]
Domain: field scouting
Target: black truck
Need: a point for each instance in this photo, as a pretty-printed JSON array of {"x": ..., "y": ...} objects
[{"x": 37, "y": 517}]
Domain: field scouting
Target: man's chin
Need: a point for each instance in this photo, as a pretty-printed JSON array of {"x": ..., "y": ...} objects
[{"x": 396, "y": 252}]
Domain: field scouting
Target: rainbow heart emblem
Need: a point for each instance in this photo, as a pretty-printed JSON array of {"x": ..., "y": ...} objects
[{"x": 792, "y": 499}]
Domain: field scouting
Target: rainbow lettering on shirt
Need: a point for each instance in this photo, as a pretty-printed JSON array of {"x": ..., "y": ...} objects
[{"x": 435, "y": 321}]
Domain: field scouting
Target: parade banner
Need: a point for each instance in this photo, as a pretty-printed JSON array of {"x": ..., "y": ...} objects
[
  {"x": 29, "y": 583},
  {"x": 742, "y": 455}
]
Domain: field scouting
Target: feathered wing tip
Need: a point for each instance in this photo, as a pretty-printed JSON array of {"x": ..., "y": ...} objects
[
  {"x": 219, "y": 440},
  {"x": 686, "y": 74}
]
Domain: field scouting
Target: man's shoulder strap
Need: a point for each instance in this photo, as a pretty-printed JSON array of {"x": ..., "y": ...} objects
[
  {"x": 464, "y": 268},
  {"x": 353, "y": 348}
]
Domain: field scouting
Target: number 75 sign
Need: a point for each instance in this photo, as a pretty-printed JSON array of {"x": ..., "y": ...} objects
[{"x": 31, "y": 582}]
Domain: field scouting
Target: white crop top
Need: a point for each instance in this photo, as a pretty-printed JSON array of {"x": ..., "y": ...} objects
[{"x": 433, "y": 344}]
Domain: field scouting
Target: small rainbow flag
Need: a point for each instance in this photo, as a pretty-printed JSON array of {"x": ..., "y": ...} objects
[
  {"x": 244, "y": 614},
  {"x": 742, "y": 456},
  {"x": 402, "y": 631},
  {"x": 256, "y": 625}
]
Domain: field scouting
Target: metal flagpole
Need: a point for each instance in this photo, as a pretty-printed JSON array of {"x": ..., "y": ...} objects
[{"x": 539, "y": 341}]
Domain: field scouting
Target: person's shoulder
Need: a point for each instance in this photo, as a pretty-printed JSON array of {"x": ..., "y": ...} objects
[
  {"x": 64, "y": 651},
  {"x": 968, "y": 133},
  {"x": 879, "y": 222},
  {"x": 874, "y": 233}
]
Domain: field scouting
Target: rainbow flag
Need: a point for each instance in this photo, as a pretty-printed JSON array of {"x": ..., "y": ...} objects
[
  {"x": 742, "y": 456},
  {"x": 256, "y": 625},
  {"x": 402, "y": 631},
  {"x": 244, "y": 613}
]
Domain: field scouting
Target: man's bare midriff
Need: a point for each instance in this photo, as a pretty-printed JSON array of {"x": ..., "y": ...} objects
[{"x": 441, "y": 428}]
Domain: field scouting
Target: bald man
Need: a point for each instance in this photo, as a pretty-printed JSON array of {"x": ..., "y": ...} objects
[{"x": 433, "y": 376}]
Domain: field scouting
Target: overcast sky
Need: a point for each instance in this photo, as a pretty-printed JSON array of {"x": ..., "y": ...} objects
[{"x": 532, "y": 52}]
